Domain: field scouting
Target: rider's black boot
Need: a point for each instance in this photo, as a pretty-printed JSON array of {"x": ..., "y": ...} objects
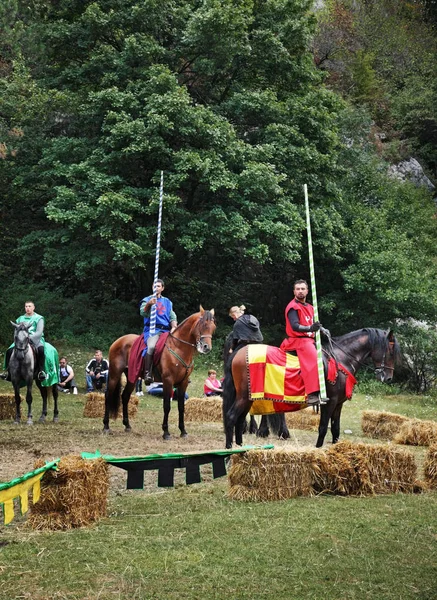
[{"x": 148, "y": 377}]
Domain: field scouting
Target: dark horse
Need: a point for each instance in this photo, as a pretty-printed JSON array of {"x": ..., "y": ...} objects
[
  {"x": 174, "y": 367},
  {"x": 350, "y": 350},
  {"x": 22, "y": 368}
]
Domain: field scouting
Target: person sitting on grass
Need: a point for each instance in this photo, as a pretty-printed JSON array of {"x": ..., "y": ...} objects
[
  {"x": 67, "y": 382},
  {"x": 212, "y": 386},
  {"x": 96, "y": 372}
]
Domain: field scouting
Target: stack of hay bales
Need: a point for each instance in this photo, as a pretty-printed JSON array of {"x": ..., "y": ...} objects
[
  {"x": 416, "y": 432},
  {"x": 345, "y": 469},
  {"x": 73, "y": 496},
  {"x": 204, "y": 409},
  {"x": 95, "y": 406},
  {"x": 430, "y": 467},
  {"x": 305, "y": 419},
  {"x": 381, "y": 425},
  {"x": 7, "y": 406}
]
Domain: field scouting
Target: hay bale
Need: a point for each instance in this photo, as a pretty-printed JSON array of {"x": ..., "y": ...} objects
[
  {"x": 262, "y": 475},
  {"x": 204, "y": 409},
  {"x": 430, "y": 467},
  {"x": 73, "y": 496},
  {"x": 7, "y": 406},
  {"x": 366, "y": 469},
  {"x": 95, "y": 406},
  {"x": 303, "y": 419},
  {"x": 382, "y": 425},
  {"x": 417, "y": 433},
  {"x": 345, "y": 469}
]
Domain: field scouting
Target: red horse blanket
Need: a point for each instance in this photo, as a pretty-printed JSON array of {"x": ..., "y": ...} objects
[
  {"x": 275, "y": 381},
  {"x": 136, "y": 356}
]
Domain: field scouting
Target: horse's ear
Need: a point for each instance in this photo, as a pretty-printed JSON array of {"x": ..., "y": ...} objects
[
  {"x": 14, "y": 324},
  {"x": 390, "y": 335},
  {"x": 202, "y": 310},
  {"x": 212, "y": 311}
]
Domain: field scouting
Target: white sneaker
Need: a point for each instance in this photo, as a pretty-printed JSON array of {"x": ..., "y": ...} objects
[
  {"x": 75, "y": 390},
  {"x": 137, "y": 393},
  {"x": 141, "y": 393}
]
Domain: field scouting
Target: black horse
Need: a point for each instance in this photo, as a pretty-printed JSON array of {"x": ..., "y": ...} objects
[
  {"x": 350, "y": 350},
  {"x": 22, "y": 369}
]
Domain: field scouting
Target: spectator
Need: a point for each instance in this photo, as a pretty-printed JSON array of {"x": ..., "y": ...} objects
[
  {"x": 212, "y": 386},
  {"x": 96, "y": 372},
  {"x": 67, "y": 382},
  {"x": 139, "y": 387}
]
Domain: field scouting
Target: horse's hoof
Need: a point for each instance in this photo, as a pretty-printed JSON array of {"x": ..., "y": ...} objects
[
  {"x": 184, "y": 434},
  {"x": 17, "y": 422},
  {"x": 166, "y": 435},
  {"x": 106, "y": 431},
  {"x": 55, "y": 419},
  {"x": 29, "y": 422},
  {"x": 128, "y": 429},
  {"x": 42, "y": 420}
]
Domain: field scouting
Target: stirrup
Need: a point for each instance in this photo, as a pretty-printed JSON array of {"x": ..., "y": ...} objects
[
  {"x": 148, "y": 378},
  {"x": 42, "y": 376},
  {"x": 4, "y": 375}
]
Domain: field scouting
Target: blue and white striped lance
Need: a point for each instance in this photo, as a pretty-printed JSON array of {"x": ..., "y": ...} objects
[
  {"x": 314, "y": 297},
  {"x": 152, "y": 325}
]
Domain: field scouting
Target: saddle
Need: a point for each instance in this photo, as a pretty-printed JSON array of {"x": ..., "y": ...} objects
[{"x": 137, "y": 353}]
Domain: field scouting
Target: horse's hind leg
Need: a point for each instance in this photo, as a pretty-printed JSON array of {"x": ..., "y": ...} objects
[
  {"x": 55, "y": 394},
  {"x": 335, "y": 424},
  {"x": 125, "y": 401},
  {"x": 263, "y": 429},
  {"x": 253, "y": 427}
]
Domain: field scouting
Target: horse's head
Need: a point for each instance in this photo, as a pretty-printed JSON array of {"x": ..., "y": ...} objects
[
  {"x": 384, "y": 355},
  {"x": 205, "y": 328},
  {"x": 21, "y": 336}
]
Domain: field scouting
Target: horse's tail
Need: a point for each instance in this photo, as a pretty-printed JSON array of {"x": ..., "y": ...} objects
[
  {"x": 112, "y": 395},
  {"x": 229, "y": 391},
  {"x": 278, "y": 425}
]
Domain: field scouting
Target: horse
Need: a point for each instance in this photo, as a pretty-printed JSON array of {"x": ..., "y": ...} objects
[
  {"x": 351, "y": 351},
  {"x": 22, "y": 368},
  {"x": 174, "y": 367}
]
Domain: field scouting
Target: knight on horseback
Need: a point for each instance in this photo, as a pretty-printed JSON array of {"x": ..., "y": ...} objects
[
  {"x": 301, "y": 331},
  {"x": 166, "y": 320},
  {"x": 36, "y": 331}
]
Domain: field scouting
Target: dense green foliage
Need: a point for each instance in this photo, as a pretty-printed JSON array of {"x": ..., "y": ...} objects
[{"x": 97, "y": 97}]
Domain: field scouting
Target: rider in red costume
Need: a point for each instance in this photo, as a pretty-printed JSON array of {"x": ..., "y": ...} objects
[{"x": 300, "y": 328}]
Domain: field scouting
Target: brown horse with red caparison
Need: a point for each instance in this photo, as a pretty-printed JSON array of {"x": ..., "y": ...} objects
[
  {"x": 174, "y": 367},
  {"x": 351, "y": 350}
]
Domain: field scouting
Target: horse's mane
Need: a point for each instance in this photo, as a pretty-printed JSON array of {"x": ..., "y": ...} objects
[
  {"x": 207, "y": 316},
  {"x": 377, "y": 339}
]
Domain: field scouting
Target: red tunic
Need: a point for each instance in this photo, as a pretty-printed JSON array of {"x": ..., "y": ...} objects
[{"x": 303, "y": 344}]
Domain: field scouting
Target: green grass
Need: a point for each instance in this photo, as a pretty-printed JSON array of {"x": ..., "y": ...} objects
[{"x": 193, "y": 542}]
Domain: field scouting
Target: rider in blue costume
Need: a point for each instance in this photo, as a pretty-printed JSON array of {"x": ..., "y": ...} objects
[{"x": 166, "y": 320}]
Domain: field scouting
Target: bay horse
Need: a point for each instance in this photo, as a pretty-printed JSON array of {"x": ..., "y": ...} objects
[
  {"x": 22, "y": 368},
  {"x": 174, "y": 367},
  {"x": 350, "y": 350}
]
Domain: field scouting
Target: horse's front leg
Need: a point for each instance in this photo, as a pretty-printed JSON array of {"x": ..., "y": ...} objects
[
  {"x": 335, "y": 423},
  {"x": 29, "y": 403},
  {"x": 181, "y": 408},
  {"x": 43, "y": 392},
  {"x": 125, "y": 397},
  {"x": 17, "y": 404},
  {"x": 326, "y": 411},
  {"x": 166, "y": 405}
]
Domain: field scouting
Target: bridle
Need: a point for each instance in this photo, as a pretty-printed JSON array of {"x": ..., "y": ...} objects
[
  {"x": 27, "y": 340},
  {"x": 199, "y": 338}
]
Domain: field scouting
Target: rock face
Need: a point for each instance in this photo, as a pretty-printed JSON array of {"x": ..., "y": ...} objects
[{"x": 410, "y": 170}]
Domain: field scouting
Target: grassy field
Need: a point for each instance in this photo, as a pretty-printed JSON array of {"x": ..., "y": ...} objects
[{"x": 193, "y": 541}]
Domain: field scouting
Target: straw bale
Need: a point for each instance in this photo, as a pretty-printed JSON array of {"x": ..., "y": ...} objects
[
  {"x": 303, "y": 419},
  {"x": 365, "y": 469},
  {"x": 272, "y": 474},
  {"x": 204, "y": 409},
  {"x": 382, "y": 425},
  {"x": 7, "y": 406},
  {"x": 345, "y": 469},
  {"x": 95, "y": 406},
  {"x": 430, "y": 467},
  {"x": 417, "y": 433},
  {"x": 73, "y": 496}
]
